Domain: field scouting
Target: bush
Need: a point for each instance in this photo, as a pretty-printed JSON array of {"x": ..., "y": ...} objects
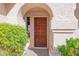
[
  {"x": 13, "y": 39},
  {"x": 71, "y": 48}
]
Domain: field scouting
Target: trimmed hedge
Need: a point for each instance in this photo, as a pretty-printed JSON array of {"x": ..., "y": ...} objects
[{"x": 13, "y": 39}]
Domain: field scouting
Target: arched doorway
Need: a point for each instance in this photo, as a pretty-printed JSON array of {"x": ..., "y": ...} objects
[{"x": 39, "y": 16}]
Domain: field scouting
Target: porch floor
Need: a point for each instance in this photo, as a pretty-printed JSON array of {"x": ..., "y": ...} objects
[
  {"x": 39, "y": 52},
  {"x": 36, "y": 52}
]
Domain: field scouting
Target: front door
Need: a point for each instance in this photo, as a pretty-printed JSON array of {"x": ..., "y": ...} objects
[{"x": 40, "y": 31}]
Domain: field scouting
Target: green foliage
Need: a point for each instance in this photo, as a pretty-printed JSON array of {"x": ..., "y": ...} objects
[
  {"x": 64, "y": 50},
  {"x": 77, "y": 52},
  {"x": 71, "y": 48},
  {"x": 13, "y": 39}
]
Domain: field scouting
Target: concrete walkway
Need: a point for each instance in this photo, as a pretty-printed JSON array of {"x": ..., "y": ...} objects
[
  {"x": 36, "y": 52},
  {"x": 55, "y": 52},
  {"x": 39, "y": 52}
]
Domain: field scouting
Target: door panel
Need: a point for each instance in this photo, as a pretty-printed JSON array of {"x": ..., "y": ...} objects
[{"x": 40, "y": 31}]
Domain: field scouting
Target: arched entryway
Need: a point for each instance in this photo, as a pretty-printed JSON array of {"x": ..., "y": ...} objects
[{"x": 38, "y": 17}]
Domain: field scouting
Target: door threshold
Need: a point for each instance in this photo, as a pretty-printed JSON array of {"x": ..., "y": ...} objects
[{"x": 40, "y": 47}]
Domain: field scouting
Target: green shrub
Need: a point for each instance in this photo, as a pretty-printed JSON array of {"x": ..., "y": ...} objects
[
  {"x": 71, "y": 48},
  {"x": 13, "y": 39}
]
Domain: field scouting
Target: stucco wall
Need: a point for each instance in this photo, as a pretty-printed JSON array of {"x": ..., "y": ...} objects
[
  {"x": 9, "y": 6},
  {"x": 5, "y": 8},
  {"x": 63, "y": 22},
  {"x": 2, "y": 9}
]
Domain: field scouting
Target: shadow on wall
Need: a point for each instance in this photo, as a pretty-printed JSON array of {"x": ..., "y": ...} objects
[{"x": 76, "y": 13}]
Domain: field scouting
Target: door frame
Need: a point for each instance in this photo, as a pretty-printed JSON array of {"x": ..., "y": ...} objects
[{"x": 47, "y": 33}]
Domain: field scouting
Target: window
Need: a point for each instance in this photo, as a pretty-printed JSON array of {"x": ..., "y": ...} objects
[{"x": 28, "y": 25}]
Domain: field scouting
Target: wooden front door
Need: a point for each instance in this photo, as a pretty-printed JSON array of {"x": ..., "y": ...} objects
[{"x": 40, "y": 31}]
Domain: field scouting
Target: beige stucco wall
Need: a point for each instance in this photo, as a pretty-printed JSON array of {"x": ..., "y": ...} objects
[
  {"x": 2, "y": 9},
  {"x": 5, "y": 8},
  {"x": 9, "y": 6},
  {"x": 76, "y": 13}
]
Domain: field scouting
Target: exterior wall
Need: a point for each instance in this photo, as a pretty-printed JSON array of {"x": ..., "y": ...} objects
[
  {"x": 5, "y": 8},
  {"x": 13, "y": 15},
  {"x": 76, "y": 14},
  {"x": 9, "y": 6},
  {"x": 63, "y": 23},
  {"x": 2, "y": 9}
]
